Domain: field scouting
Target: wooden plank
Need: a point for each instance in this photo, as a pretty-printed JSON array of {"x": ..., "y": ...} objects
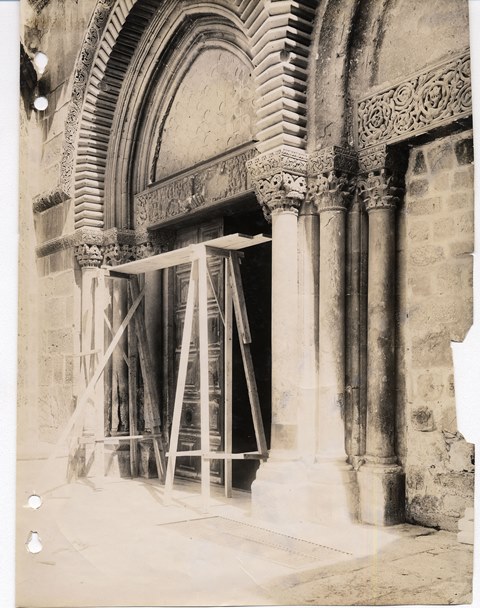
[
  {"x": 242, "y": 325},
  {"x": 187, "y": 254},
  {"x": 239, "y": 301},
  {"x": 181, "y": 379},
  {"x": 228, "y": 377},
  {"x": 132, "y": 396},
  {"x": 204, "y": 373},
  {"x": 151, "y": 401},
  {"x": 84, "y": 398}
]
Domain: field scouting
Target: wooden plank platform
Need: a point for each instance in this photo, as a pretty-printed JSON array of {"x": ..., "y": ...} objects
[{"x": 230, "y": 242}]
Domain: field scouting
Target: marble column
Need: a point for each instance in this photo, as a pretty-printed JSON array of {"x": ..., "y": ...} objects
[
  {"x": 308, "y": 328},
  {"x": 333, "y": 172},
  {"x": 279, "y": 491},
  {"x": 89, "y": 258},
  {"x": 381, "y": 480}
]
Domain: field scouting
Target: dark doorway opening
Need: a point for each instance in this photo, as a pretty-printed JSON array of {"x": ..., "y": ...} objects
[{"x": 256, "y": 278}]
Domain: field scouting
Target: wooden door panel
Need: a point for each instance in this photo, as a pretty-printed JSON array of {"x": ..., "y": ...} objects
[{"x": 189, "y": 438}]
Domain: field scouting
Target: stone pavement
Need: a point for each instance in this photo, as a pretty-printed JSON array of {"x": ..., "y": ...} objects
[{"x": 120, "y": 546}]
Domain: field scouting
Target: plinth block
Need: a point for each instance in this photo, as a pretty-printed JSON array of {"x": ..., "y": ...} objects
[{"x": 382, "y": 494}]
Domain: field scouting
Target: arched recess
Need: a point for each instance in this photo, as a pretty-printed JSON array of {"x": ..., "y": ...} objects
[
  {"x": 278, "y": 35},
  {"x": 145, "y": 102}
]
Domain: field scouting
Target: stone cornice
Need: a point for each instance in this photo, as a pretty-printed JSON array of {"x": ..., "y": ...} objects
[
  {"x": 279, "y": 179},
  {"x": 432, "y": 98}
]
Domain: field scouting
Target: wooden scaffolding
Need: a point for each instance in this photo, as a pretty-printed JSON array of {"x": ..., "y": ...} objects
[{"x": 229, "y": 249}]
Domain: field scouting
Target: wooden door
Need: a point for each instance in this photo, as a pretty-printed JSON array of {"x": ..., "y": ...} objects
[{"x": 189, "y": 438}]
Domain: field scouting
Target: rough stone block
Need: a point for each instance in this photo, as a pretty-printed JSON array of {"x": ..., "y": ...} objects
[
  {"x": 423, "y": 206},
  {"x": 422, "y": 419},
  {"x": 463, "y": 179},
  {"x": 426, "y": 255},
  {"x": 429, "y": 386},
  {"x": 420, "y": 284},
  {"x": 418, "y": 187},
  {"x": 459, "y": 200},
  {"x": 464, "y": 223},
  {"x": 419, "y": 231},
  {"x": 461, "y": 247},
  {"x": 464, "y": 151},
  {"x": 432, "y": 349},
  {"x": 440, "y": 157},
  {"x": 443, "y": 229},
  {"x": 419, "y": 165},
  {"x": 449, "y": 276}
]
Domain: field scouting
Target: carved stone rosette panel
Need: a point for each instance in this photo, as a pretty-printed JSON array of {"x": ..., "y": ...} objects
[
  {"x": 279, "y": 179},
  {"x": 424, "y": 101},
  {"x": 331, "y": 178}
]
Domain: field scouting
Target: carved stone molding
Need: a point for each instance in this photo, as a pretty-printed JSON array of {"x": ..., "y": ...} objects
[
  {"x": 45, "y": 201},
  {"x": 205, "y": 186},
  {"x": 432, "y": 98},
  {"x": 331, "y": 180},
  {"x": 279, "y": 179},
  {"x": 80, "y": 81}
]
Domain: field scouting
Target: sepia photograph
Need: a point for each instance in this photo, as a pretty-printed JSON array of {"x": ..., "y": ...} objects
[{"x": 246, "y": 237}]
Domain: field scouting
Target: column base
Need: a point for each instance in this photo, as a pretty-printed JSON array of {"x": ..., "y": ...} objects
[
  {"x": 382, "y": 494},
  {"x": 292, "y": 491}
]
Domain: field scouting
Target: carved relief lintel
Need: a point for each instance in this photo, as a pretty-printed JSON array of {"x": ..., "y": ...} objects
[
  {"x": 380, "y": 184},
  {"x": 331, "y": 181},
  {"x": 279, "y": 179}
]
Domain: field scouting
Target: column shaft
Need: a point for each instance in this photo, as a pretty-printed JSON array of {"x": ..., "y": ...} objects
[
  {"x": 308, "y": 231},
  {"x": 284, "y": 330},
  {"x": 331, "y": 431}
]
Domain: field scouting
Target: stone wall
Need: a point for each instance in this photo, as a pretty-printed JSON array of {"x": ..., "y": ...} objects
[
  {"x": 47, "y": 282},
  {"x": 436, "y": 308}
]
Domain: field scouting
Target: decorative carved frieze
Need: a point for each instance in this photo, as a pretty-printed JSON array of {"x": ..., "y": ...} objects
[
  {"x": 279, "y": 179},
  {"x": 216, "y": 181},
  {"x": 426, "y": 100},
  {"x": 331, "y": 180}
]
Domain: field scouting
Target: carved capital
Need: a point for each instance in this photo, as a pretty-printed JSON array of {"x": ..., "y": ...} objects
[
  {"x": 279, "y": 179},
  {"x": 380, "y": 190},
  {"x": 331, "y": 180},
  {"x": 89, "y": 255},
  {"x": 380, "y": 184}
]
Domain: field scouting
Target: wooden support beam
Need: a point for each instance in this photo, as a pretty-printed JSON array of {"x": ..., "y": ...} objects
[
  {"x": 132, "y": 396},
  {"x": 75, "y": 418},
  {"x": 228, "y": 377},
  {"x": 151, "y": 401},
  {"x": 181, "y": 379},
  {"x": 244, "y": 333},
  {"x": 204, "y": 373}
]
